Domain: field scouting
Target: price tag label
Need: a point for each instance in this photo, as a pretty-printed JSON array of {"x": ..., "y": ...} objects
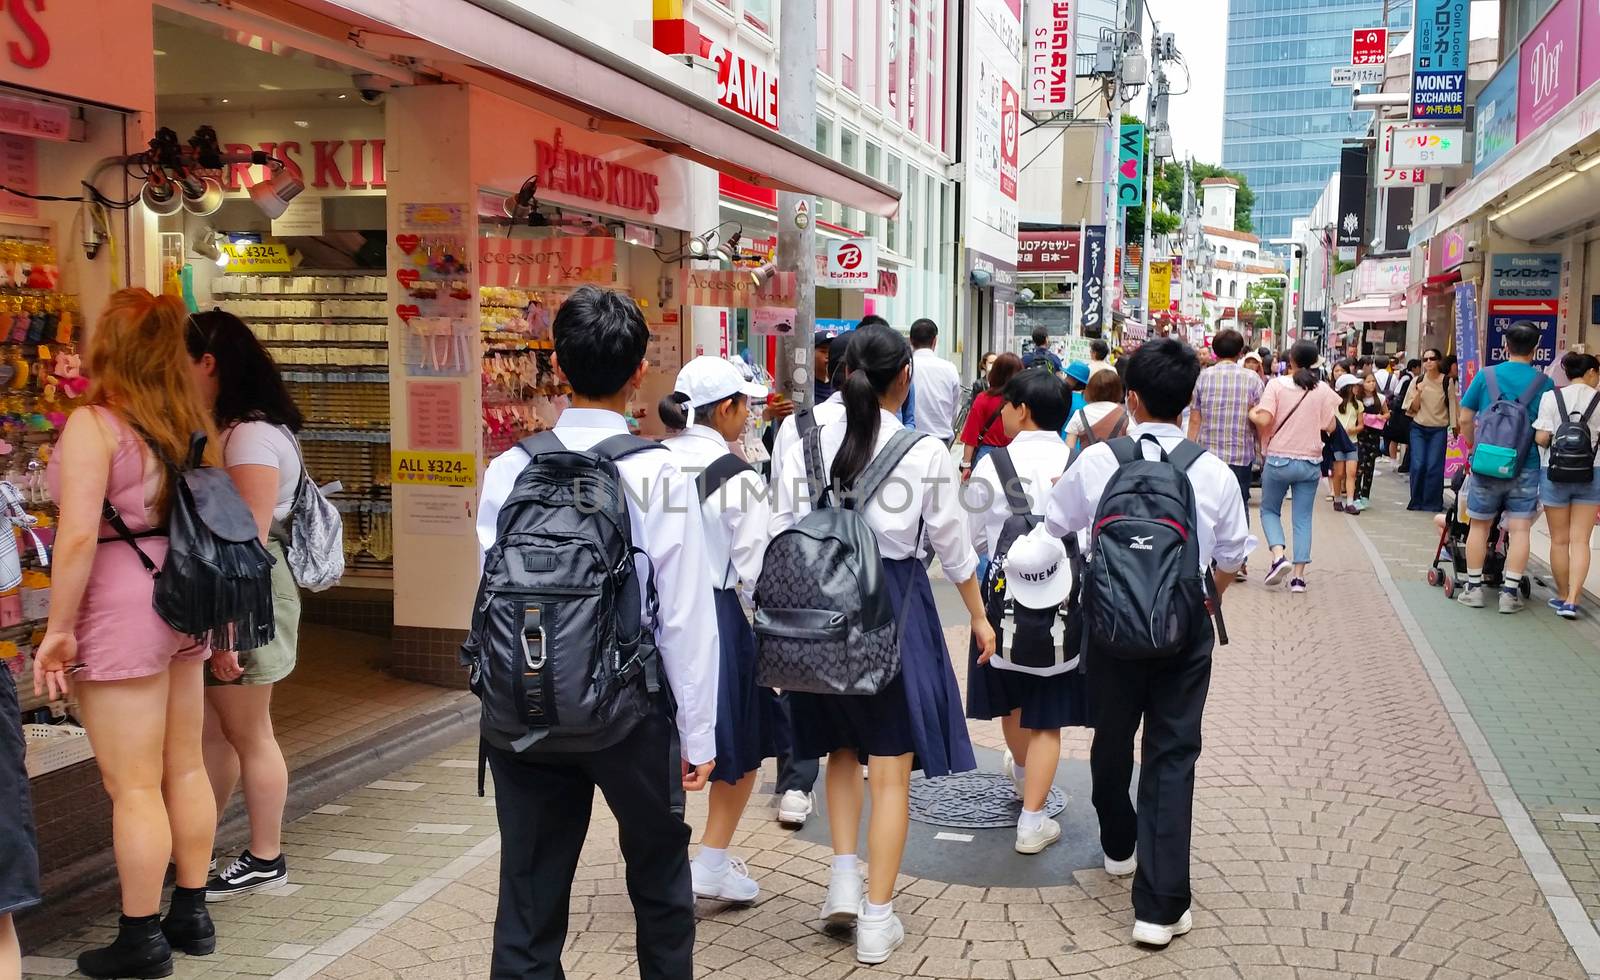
[
  {"x": 435, "y": 469},
  {"x": 258, "y": 258}
]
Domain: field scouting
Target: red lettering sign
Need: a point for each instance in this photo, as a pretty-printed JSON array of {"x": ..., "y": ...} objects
[
  {"x": 327, "y": 167},
  {"x": 1369, "y": 46},
  {"x": 30, "y": 45},
  {"x": 568, "y": 171},
  {"x": 746, "y": 87}
]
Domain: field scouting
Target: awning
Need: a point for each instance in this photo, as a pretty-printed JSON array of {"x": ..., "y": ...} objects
[
  {"x": 1371, "y": 309},
  {"x": 1571, "y": 127},
  {"x": 622, "y": 97}
]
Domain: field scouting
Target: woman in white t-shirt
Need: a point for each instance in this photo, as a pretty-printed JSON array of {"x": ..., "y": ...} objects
[
  {"x": 1570, "y": 508},
  {"x": 1102, "y": 417},
  {"x": 257, "y": 418}
]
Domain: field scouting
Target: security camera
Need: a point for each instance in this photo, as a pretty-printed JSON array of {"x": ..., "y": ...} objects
[
  {"x": 372, "y": 87},
  {"x": 1474, "y": 246}
]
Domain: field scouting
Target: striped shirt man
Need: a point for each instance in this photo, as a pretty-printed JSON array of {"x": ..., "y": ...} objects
[{"x": 1223, "y": 398}]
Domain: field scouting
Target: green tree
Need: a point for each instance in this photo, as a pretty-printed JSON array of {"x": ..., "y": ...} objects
[
  {"x": 1170, "y": 188},
  {"x": 1263, "y": 304}
]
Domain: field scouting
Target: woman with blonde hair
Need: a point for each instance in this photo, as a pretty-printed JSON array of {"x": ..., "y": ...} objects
[{"x": 139, "y": 682}]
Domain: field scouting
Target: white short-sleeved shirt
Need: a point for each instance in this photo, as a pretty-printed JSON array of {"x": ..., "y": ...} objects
[
  {"x": 937, "y": 391},
  {"x": 1094, "y": 412},
  {"x": 831, "y": 410},
  {"x": 1039, "y": 458},
  {"x": 737, "y": 518},
  {"x": 922, "y": 491},
  {"x": 1577, "y": 397},
  {"x": 266, "y": 444}
]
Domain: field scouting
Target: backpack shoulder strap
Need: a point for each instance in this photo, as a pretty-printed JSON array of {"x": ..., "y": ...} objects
[
  {"x": 1086, "y": 433},
  {"x": 1185, "y": 454},
  {"x": 872, "y": 478},
  {"x": 1125, "y": 449},
  {"x": 1588, "y": 413},
  {"x": 1531, "y": 396},
  {"x": 622, "y": 445},
  {"x": 1489, "y": 379},
  {"x": 712, "y": 478},
  {"x": 1006, "y": 471},
  {"x": 541, "y": 442},
  {"x": 804, "y": 421},
  {"x": 816, "y": 474},
  {"x": 1561, "y": 407}
]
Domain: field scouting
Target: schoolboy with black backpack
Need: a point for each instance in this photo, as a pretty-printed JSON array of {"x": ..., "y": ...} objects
[
  {"x": 594, "y": 650},
  {"x": 1162, "y": 511}
]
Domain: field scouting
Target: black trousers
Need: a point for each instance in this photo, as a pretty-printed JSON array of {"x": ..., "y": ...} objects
[
  {"x": 1170, "y": 696},
  {"x": 1244, "y": 474},
  {"x": 793, "y": 773},
  {"x": 543, "y": 808}
]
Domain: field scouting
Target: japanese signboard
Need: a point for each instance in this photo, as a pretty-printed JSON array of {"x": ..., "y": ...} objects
[
  {"x": 1497, "y": 115},
  {"x": 1524, "y": 286},
  {"x": 1160, "y": 286},
  {"x": 1439, "y": 60},
  {"x": 1358, "y": 75},
  {"x": 1369, "y": 46},
  {"x": 1093, "y": 307},
  {"x": 1418, "y": 146},
  {"x": 1047, "y": 251},
  {"x": 257, "y": 258},
  {"x": 1549, "y": 68},
  {"x": 994, "y": 75},
  {"x": 1388, "y": 174},
  {"x": 1466, "y": 310},
  {"x": 1353, "y": 183},
  {"x": 1049, "y": 64},
  {"x": 1130, "y": 166},
  {"x": 850, "y": 264}
]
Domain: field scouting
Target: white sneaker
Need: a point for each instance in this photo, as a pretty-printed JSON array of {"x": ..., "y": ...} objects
[
  {"x": 846, "y": 892},
  {"x": 795, "y": 807},
  {"x": 877, "y": 938},
  {"x": 732, "y": 884},
  {"x": 1008, "y": 768},
  {"x": 1150, "y": 934},
  {"x": 1122, "y": 869},
  {"x": 1034, "y": 841}
]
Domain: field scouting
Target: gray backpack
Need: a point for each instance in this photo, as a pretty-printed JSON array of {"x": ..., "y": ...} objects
[
  {"x": 1503, "y": 432},
  {"x": 312, "y": 534},
  {"x": 824, "y": 621}
]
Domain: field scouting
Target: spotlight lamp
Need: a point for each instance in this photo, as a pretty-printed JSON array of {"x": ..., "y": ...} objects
[
  {"x": 161, "y": 196},
  {"x": 761, "y": 276}
]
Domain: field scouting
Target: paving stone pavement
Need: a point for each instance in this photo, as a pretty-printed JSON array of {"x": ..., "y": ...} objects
[{"x": 1341, "y": 829}]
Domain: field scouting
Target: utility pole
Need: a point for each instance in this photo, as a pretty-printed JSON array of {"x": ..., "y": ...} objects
[
  {"x": 1155, "y": 116},
  {"x": 797, "y": 246}
]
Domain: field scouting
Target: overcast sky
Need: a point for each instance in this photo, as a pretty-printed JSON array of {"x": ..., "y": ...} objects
[{"x": 1201, "y": 27}]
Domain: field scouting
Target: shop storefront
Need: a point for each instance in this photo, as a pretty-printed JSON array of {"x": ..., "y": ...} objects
[{"x": 1047, "y": 278}]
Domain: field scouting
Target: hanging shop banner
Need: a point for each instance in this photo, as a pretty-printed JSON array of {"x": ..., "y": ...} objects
[
  {"x": 1496, "y": 115},
  {"x": 1466, "y": 308},
  {"x": 746, "y": 87},
  {"x": 772, "y": 321},
  {"x": 700, "y": 287},
  {"x": 1439, "y": 60},
  {"x": 1369, "y": 46},
  {"x": 1353, "y": 184},
  {"x": 1389, "y": 174},
  {"x": 1549, "y": 67},
  {"x": 990, "y": 110},
  {"x": 1429, "y": 146},
  {"x": 1399, "y": 204},
  {"x": 1047, "y": 252},
  {"x": 850, "y": 264},
  {"x": 1130, "y": 166},
  {"x": 434, "y": 469},
  {"x": 1049, "y": 66},
  {"x": 1093, "y": 308},
  {"x": 576, "y": 260},
  {"x": 257, "y": 258},
  {"x": 1160, "y": 286},
  {"x": 1524, "y": 286}
]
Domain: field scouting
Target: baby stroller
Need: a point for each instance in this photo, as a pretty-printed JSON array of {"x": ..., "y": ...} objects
[{"x": 1452, "y": 547}]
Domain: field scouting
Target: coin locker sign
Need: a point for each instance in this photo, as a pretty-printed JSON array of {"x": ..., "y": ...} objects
[{"x": 434, "y": 469}]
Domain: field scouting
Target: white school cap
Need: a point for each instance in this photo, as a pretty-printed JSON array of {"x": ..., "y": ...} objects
[
  {"x": 1037, "y": 573},
  {"x": 708, "y": 379}
]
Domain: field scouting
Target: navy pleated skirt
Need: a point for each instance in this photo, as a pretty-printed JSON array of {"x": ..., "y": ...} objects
[
  {"x": 750, "y": 724},
  {"x": 1058, "y": 701},
  {"x": 919, "y": 712}
]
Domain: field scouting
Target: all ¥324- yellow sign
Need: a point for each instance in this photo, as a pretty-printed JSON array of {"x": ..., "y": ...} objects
[{"x": 434, "y": 469}]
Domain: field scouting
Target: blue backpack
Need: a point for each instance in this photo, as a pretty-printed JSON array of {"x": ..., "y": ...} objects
[{"x": 1503, "y": 432}]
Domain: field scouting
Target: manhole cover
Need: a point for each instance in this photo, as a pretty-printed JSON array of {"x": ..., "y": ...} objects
[{"x": 976, "y": 800}]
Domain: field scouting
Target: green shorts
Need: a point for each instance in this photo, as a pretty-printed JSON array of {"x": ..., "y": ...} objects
[{"x": 275, "y": 661}]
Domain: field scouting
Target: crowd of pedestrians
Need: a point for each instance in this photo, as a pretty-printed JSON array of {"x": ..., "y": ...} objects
[{"x": 708, "y": 613}]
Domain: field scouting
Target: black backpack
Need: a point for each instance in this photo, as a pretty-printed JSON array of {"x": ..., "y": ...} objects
[
  {"x": 1144, "y": 593},
  {"x": 1572, "y": 450},
  {"x": 1030, "y": 639},
  {"x": 558, "y": 652},
  {"x": 824, "y": 623}
]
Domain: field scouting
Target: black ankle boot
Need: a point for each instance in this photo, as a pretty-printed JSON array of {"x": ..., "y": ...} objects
[
  {"x": 188, "y": 925},
  {"x": 140, "y": 951}
]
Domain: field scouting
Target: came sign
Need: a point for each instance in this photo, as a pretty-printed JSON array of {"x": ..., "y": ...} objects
[
  {"x": 1369, "y": 46},
  {"x": 1416, "y": 147},
  {"x": 1048, "y": 65},
  {"x": 746, "y": 87},
  {"x": 850, "y": 264}
]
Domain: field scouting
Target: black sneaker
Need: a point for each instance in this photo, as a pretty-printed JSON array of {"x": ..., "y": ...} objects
[{"x": 247, "y": 873}]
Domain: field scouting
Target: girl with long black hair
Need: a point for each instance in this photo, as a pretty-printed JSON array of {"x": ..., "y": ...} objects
[{"x": 916, "y": 722}]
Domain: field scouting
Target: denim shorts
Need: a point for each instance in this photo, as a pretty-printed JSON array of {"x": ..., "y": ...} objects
[
  {"x": 1566, "y": 494},
  {"x": 1345, "y": 457},
  {"x": 1518, "y": 497}
]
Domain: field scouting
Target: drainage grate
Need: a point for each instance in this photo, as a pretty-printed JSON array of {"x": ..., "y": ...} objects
[{"x": 974, "y": 800}]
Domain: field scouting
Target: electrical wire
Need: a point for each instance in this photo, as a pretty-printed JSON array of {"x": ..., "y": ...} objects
[{"x": 1062, "y": 131}]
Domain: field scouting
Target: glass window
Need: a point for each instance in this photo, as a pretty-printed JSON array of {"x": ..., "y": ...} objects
[
  {"x": 892, "y": 177},
  {"x": 872, "y": 166},
  {"x": 845, "y": 37},
  {"x": 913, "y": 83},
  {"x": 849, "y": 144},
  {"x": 825, "y": 209},
  {"x": 758, "y": 14},
  {"x": 894, "y": 58},
  {"x": 824, "y": 36},
  {"x": 870, "y": 21}
]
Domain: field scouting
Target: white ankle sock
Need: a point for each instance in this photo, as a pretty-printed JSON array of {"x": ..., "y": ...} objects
[
  {"x": 712, "y": 858},
  {"x": 1030, "y": 820},
  {"x": 1016, "y": 772},
  {"x": 880, "y": 911},
  {"x": 845, "y": 862}
]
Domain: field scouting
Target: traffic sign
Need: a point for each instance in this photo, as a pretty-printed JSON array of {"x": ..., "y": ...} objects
[
  {"x": 1369, "y": 45},
  {"x": 1359, "y": 75}
]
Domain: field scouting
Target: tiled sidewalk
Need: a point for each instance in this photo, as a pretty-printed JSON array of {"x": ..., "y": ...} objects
[{"x": 1342, "y": 829}]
